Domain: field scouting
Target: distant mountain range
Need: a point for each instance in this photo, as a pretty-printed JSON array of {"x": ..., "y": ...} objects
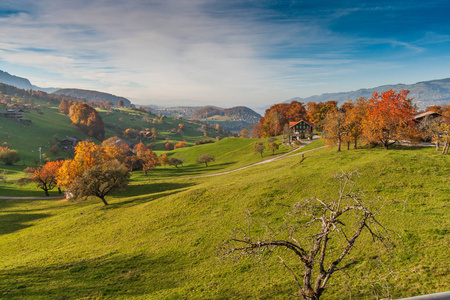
[
  {"x": 23, "y": 83},
  {"x": 232, "y": 119},
  {"x": 425, "y": 93},
  {"x": 92, "y": 96}
]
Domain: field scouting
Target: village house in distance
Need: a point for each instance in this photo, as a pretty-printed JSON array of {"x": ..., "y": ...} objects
[
  {"x": 300, "y": 130},
  {"x": 15, "y": 114}
]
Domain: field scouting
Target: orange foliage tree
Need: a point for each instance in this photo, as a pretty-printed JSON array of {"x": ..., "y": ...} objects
[
  {"x": 45, "y": 176},
  {"x": 354, "y": 117},
  {"x": 180, "y": 144},
  {"x": 389, "y": 118},
  {"x": 89, "y": 156},
  {"x": 147, "y": 158},
  {"x": 274, "y": 119},
  {"x": 88, "y": 120},
  {"x": 334, "y": 128},
  {"x": 316, "y": 112}
]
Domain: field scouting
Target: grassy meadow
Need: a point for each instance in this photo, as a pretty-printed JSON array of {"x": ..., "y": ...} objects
[{"x": 161, "y": 238}]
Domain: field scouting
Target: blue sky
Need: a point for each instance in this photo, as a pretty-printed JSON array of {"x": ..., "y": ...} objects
[{"x": 224, "y": 53}]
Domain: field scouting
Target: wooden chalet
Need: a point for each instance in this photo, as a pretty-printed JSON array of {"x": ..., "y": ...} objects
[
  {"x": 15, "y": 114},
  {"x": 69, "y": 143},
  {"x": 429, "y": 114},
  {"x": 300, "y": 130}
]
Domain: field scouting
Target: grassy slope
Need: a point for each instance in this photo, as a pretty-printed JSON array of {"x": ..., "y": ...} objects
[
  {"x": 159, "y": 239},
  {"x": 45, "y": 125}
]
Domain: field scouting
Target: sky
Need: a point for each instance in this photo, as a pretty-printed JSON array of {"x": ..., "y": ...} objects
[{"x": 226, "y": 52}]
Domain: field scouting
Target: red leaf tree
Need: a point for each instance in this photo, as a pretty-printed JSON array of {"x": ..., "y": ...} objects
[{"x": 389, "y": 118}]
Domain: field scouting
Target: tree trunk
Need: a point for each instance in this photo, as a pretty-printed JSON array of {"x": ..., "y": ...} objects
[
  {"x": 103, "y": 199},
  {"x": 355, "y": 145},
  {"x": 339, "y": 145},
  {"x": 348, "y": 145},
  {"x": 46, "y": 192},
  {"x": 437, "y": 145}
]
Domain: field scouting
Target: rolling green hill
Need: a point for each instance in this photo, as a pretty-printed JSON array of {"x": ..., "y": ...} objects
[
  {"x": 47, "y": 126},
  {"x": 160, "y": 239}
]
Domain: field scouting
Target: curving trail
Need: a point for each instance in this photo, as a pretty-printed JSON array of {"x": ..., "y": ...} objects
[{"x": 289, "y": 154}]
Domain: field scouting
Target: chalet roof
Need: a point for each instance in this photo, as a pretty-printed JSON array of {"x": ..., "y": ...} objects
[
  {"x": 71, "y": 139},
  {"x": 425, "y": 114},
  {"x": 11, "y": 110},
  {"x": 292, "y": 124}
]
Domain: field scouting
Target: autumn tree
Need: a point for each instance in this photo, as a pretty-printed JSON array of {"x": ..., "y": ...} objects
[
  {"x": 445, "y": 131},
  {"x": 148, "y": 159},
  {"x": 88, "y": 120},
  {"x": 389, "y": 118},
  {"x": 180, "y": 144},
  {"x": 64, "y": 106},
  {"x": 354, "y": 117},
  {"x": 316, "y": 112},
  {"x": 9, "y": 156},
  {"x": 320, "y": 234},
  {"x": 258, "y": 147},
  {"x": 205, "y": 159},
  {"x": 169, "y": 146},
  {"x": 120, "y": 103},
  {"x": 164, "y": 159},
  {"x": 430, "y": 129},
  {"x": 244, "y": 134},
  {"x": 275, "y": 118},
  {"x": 101, "y": 179},
  {"x": 175, "y": 162},
  {"x": 334, "y": 128},
  {"x": 94, "y": 171},
  {"x": 45, "y": 176},
  {"x": 117, "y": 148},
  {"x": 273, "y": 146}
]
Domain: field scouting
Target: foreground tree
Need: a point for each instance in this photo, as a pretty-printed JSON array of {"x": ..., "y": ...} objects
[
  {"x": 205, "y": 159},
  {"x": 320, "y": 234},
  {"x": 45, "y": 176},
  {"x": 389, "y": 118},
  {"x": 101, "y": 179}
]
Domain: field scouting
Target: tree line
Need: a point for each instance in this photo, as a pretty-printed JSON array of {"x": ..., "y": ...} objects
[{"x": 384, "y": 119}]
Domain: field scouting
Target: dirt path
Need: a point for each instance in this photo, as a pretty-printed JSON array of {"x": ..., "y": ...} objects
[{"x": 290, "y": 153}]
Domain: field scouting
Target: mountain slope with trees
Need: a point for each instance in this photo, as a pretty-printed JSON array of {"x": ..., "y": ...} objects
[{"x": 94, "y": 96}]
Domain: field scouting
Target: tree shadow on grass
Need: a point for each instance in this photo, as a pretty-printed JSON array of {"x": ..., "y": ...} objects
[
  {"x": 142, "y": 193},
  {"x": 10, "y": 223},
  {"x": 191, "y": 170},
  {"x": 105, "y": 276}
]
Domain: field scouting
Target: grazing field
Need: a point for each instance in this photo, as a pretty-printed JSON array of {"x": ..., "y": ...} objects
[{"x": 161, "y": 238}]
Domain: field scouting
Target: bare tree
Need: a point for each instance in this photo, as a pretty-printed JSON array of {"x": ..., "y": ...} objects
[{"x": 320, "y": 234}]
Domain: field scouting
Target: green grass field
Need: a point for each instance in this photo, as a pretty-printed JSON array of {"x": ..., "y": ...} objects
[{"x": 160, "y": 239}]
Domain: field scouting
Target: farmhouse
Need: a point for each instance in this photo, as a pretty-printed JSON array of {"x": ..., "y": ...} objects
[
  {"x": 300, "y": 130},
  {"x": 15, "y": 114},
  {"x": 69, "y": 143},
  {"x": 429, "y": 114}
]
